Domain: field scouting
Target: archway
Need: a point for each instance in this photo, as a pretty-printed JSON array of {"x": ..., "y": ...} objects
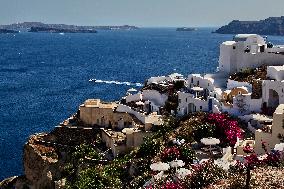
[
  {"x": 191, "y": 108},
  {"x": 273, "y": 100}
]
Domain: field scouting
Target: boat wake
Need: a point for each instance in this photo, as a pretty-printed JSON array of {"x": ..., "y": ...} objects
[{"x": 116, "y": 82}]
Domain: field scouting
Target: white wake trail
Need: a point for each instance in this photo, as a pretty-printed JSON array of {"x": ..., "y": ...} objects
[{"x": 116, "y": 82}]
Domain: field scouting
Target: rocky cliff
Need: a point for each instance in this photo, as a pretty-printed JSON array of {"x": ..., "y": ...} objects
[
  {"x": 45, "y": 158},
  {"x": 269, "y": 26},
  {"x": 41, "y": 166}
]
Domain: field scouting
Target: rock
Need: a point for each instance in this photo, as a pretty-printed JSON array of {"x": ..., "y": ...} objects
[{"x": 41, "y": 171}]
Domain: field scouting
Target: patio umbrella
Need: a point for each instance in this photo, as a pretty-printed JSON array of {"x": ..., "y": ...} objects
[
  {"x": 160, "y": 166},
  {"x": 182, "y": 172},
  {"x": 210, "y": 141},
  {"x": 279, "y": 147},
  {"x": 177, "y": 163},
  {"x": 160, "y": 175}
]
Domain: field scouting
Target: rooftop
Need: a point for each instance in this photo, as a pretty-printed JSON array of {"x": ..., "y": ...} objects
[
  {"x": 277, "y": 68},
  {"x": 243, "y": 37},
  {"x": 97, "y": 103},
  {"x": 229, "y": 43}
]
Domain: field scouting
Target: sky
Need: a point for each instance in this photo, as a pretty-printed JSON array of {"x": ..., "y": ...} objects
[{"x": 147, "y": 13}]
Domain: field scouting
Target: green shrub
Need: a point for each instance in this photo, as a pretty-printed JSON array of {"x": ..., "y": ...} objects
[
  {"x": 203, "y": 131},
  {"x": 187, "y": 154},
  {"x": 91, "y": 178},
  {"x": 85, "y": 150},
  {"x": 149, "y": 148}
]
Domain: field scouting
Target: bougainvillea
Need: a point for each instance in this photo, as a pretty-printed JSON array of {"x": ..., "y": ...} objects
[
  {"x": 168, "y": 184},
  {"x": 170, "y": 154},
  {"x": 273, "y": 159},
  {"x": 227, "y": 130}
]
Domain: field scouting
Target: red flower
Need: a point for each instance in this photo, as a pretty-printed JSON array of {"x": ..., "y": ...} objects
[
  {"x": 229, "y": 130},
  {"x": 170, "y": 154}
]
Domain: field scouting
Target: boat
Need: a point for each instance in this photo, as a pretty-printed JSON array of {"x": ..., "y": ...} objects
[{"x": 186, "y": 29}]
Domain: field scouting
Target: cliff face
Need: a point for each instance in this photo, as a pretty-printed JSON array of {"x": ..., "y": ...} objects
[
  {"x": 41, "y": 166},
  {"x": 39, "y": 170},
  {"x": 45, "y": 156},
  {"x": 269, "y": 26}
]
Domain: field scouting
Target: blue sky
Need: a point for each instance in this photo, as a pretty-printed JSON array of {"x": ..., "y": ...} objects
[{"x": 138, "y": 12}]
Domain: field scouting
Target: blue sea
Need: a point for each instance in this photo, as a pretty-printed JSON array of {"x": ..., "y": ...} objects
[{"x": 45, "y": 77}]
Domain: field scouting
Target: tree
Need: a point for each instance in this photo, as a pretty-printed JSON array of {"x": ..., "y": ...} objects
[{"x": 241, "y": 104}]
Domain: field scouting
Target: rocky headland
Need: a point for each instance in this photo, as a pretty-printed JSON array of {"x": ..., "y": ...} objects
[
  {"x": 269, "y": 26},
  {"x": 61, "y": 28}
]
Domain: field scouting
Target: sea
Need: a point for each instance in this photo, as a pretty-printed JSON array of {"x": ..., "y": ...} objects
[{"x": 44, "y": 77}]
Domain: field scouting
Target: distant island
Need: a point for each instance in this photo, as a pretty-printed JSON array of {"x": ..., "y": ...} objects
[
  {"x": 8, "y": 31},
  {"x": 269, "y": 26},
  {"x": 186, "y": 29},
  {"x": 60, "y": 28}
]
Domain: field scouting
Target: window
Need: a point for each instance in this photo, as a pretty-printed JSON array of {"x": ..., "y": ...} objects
[
  {"x": 234, "y": 47},
  {"x": 191, "y": 80},
  {"x": 247, "y": 50},
  {"x": 98, "y": 121},
  {"x": 208, "y": 84},
  {"x": 239, "y": 92},
  {"x": 186, "y": 100},
  {"x": 200, "y": 107},
  {"x": 179, "y": 100},
  {"x": 197, "y": 83}
]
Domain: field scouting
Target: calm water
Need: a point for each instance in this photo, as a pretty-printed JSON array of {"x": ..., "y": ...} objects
[{"x": 45, "y": 77}]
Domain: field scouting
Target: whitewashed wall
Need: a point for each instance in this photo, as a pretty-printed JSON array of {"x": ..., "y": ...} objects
[
  {"x": 273, "y": 73},
  {"x": 154, "y": 96},
  {"x": 151, "y": 95},
  {"x": 233, "y": 84},
  {"x": 123, "y": 108},
  {"x": 133, "y": 98},
  {"x": 203, "y": 82},
  {"x": 157, "y": 79}
]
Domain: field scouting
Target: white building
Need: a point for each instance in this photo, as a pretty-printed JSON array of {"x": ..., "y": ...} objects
[
  {"x": 190, "y": 103},
  {"x": 165, "y": 79},
  {"x": 248, "y": 51}
]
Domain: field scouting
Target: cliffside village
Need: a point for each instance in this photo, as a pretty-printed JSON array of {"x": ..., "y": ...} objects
[{"x": 249, "y": 84}]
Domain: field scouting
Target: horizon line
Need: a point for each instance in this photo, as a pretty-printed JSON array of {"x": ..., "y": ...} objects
[{"x": 140, "y": 26}]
